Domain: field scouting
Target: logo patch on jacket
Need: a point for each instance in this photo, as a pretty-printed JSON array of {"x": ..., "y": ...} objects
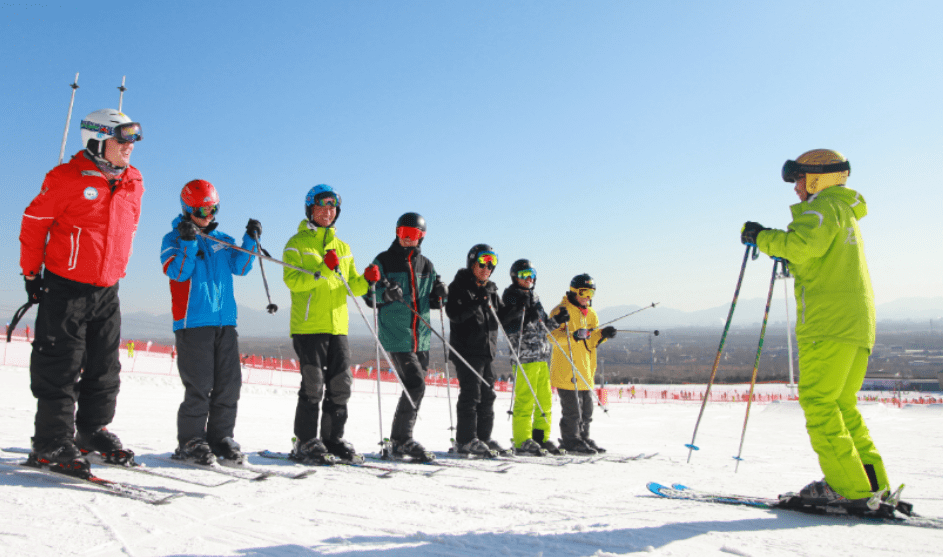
[{"x": 90, "y": 193}]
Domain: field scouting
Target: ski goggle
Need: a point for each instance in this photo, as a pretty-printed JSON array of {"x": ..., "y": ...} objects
[
  {"x": 410, "y": 233},
  {"x": 327, "y": 201},
  {"x": 486, "y": 258},
  {"x": 128, "y": 133},
  {"x": 205, "y": 211},
  {"x": 793, "y": 171},
  {"x": 525, "y": 274},
  {"x": 584, "y": 292}
]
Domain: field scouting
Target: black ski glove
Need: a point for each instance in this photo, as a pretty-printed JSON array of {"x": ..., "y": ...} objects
[
  {"x": 393, "y": 292},
  {"x": 582, "y": 334},
  {"x": 187, "y": 230},
  {"x": 34, "y": 289},
  {"x": 438, "y": 295},
  {"x": 562, "y": 316},
  {"x": 254, "y": 228},
  {"x": 608, "y": 332},
  {"x": 750, "y": 231}
]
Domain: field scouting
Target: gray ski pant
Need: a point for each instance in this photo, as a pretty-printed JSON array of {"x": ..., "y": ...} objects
[{"x": 208, "y": 360}]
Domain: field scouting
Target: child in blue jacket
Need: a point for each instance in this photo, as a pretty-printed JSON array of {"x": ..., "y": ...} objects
[{"x": 204, "y": 314}]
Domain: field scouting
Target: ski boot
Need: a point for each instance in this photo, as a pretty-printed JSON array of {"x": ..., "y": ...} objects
[
  {"x": 412, "y": 450},
  {"x": 540, "y": 436},
  {"x": 106, "y": 444},
  {"x": 577, "y": 446},
  {"x": 59, "y": 455},
  {"x": 530, "y": 448},
  {"x": 818, "y": 496},
  {"x": 498, "y": 449},
  {"x": 476, "y": 449},
  {"x": 343, "y": 450},
  {"x": 552, "y": 448},
  {"x": 311, "y": 451},
  {"x": 197, "y": 451},
  {"x": 592, "y": 445},
  {"x": 229, "y": 453}
]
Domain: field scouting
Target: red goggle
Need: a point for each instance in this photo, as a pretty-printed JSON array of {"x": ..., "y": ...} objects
[{"x": 410, "y": 233}]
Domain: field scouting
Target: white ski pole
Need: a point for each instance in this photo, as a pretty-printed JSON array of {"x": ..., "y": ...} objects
[{"x": 68, "y": 119}]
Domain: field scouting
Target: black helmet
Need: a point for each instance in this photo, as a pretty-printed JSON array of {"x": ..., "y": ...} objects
[
  {"x": 413, "y": 220},
  {"x": 522, "y": 265},
  {"x": 582, "y": 281},
  {"x": 476, "y": 250}
]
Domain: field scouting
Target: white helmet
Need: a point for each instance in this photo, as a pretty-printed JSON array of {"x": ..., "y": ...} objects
[{"x": 104, "y": 124}]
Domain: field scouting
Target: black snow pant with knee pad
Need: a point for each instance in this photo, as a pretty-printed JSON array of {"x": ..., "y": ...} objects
[
  {"x": 411, "y": 367},
  {"x": 325, "y": 374}
]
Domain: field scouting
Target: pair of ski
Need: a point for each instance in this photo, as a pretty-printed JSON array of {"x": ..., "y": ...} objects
[
  {"x": 359, "y": 462},
  {"x": 82, "y": 474},
  {"x": 883, "y": 512}
]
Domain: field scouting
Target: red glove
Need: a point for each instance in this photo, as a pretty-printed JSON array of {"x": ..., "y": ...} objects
[
  {"x": 331, "y": 259},
  {"x": 372, "y": 273}
]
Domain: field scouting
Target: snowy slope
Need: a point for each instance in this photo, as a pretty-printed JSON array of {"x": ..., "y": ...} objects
[{"x": 573, "y": 510}]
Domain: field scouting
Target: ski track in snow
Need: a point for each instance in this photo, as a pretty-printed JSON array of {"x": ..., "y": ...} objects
[{"x": 594, "y": 509}]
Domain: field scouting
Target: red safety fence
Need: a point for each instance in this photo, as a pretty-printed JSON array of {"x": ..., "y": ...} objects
[{"x": 258, "y": 370}]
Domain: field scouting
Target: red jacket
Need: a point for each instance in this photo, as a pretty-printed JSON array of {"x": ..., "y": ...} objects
[{"x": 89, "y": 228}]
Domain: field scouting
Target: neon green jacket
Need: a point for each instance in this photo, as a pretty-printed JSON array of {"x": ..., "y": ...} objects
[
  {"x": 319, "y": 306},
  {"x": 823, "y": 244}
]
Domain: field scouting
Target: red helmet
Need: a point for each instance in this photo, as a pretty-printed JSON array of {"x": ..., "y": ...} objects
[{"x": 200, "y": 197}]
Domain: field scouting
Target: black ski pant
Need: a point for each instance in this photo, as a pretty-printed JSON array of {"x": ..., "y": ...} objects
[
  {"x": 411, "y": 367},
  {"x": 575, "y": 417},
  {"x": 208, "y": 360},
  {"x": 325, "y": 373},
  {"x": 475, "y": 407},
  {"x": 78, "y": 326}
]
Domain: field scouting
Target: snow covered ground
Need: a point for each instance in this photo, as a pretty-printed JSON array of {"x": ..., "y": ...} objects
[{"x": 574, "y": 510}]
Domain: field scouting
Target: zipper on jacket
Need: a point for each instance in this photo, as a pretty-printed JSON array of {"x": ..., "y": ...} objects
[
  {"x": 803, "y": 304},
  {"x": 412, "y": 279},
  {"x": 308, "y": 307}
]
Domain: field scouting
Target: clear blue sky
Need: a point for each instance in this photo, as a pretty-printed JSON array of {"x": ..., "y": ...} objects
[{"x": 629, "y": 140}]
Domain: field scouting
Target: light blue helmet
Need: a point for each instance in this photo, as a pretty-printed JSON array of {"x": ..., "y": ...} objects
[{"x": 317, "y": 195}]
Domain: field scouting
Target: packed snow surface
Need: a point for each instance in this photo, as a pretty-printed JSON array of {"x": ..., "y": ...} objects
[{"x": 599, "y": 509}]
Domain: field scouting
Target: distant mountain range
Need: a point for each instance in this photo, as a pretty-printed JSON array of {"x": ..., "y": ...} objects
[{"x": 256, "y": 323}]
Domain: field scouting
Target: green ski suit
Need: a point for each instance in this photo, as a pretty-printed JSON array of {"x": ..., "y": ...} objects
[{"x": 835, "y": 330}]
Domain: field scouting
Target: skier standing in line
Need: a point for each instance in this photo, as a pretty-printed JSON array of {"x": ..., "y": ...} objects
[
  {"x": 407, "y": 278},
  {"x": 473, "y": 333},
  {"x": 531, "y": 426},
  {"x": 575, "y": 390},
  {"x": 835, "y": 327},
  {"x": 80, "y": 228},
  {"x": 204, "y": 313},
  {"x": 319, "y": 324}
]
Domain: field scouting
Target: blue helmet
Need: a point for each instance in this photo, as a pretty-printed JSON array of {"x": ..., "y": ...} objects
[{"x": 322, "y": 194}]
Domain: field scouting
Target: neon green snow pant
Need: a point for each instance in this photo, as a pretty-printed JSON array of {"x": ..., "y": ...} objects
[
  {"x": 527, "y": 414},
  {"x": 831, "y": 373}
]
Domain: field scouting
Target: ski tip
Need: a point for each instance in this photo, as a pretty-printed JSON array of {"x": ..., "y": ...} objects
[
  {"x": 692, "y": 447},
  {"x": 738, "y": 458}
]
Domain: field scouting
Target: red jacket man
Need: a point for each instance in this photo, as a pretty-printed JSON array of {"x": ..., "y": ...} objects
[{"x": 80, "y": 228}]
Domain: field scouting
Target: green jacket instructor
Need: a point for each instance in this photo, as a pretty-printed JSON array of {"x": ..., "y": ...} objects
[{"x": 835, "y": 316}]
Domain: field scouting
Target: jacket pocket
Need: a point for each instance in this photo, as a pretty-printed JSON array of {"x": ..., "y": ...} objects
[{"x": 74, "y": 247}]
